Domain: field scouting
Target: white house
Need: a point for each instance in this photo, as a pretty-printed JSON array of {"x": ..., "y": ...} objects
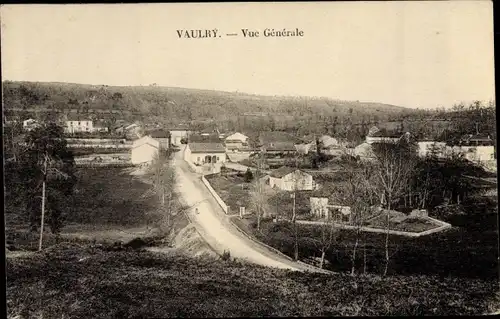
[
  {"x": 144, "y": 150},
  {"x": 327, "y": 141},
  {"x": 305, "y": 148},
  {"x": 236, "y": 141},
  {"x": 205, "y": 153},
  {"x": 29, "y": 124},
  {"x": 320, "y": 208},
  {"x": 364, "y": 151},
  {"x": 376, "y": 136},
  {"x": 289, "y": 179},
  {"x": 76, "y": 125}
]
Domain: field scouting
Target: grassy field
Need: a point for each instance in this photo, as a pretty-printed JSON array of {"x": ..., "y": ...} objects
[
  {"x": 104, "y": 198},
  {"x": 457, "y": 252},
  {"x": 83, "y": 282},
  {"x": 232, "y": 189},
  {"x": 412, "y": 225}
]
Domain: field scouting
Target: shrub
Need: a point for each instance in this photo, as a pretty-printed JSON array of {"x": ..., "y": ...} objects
[
  {"x": 248, "y": 176},
  {"x": 226, "y": 255}
]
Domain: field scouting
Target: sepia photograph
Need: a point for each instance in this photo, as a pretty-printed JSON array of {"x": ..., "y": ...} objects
[{"x": 285, "y": 159}]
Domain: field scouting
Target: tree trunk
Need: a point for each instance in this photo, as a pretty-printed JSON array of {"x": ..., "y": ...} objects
[
  {"x": 364, "y": 253},
  {"x": 321, "y": 265},
  {"x": 258, "y": 218},
  {"x": 43, "y": 216},
  {"x": 387, "y": 240},
  {"x": 353, "y": 258},
  {"x": 296, "y": 251}
]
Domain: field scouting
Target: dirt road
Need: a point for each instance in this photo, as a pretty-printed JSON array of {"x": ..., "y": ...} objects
[{"x": 212, "y": 224}]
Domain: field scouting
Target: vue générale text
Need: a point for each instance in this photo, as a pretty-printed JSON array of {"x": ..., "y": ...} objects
[{"x": 246, "y": 33}]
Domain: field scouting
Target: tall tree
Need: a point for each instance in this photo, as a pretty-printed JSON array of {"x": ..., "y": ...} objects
[{"x": 45, "y": 176}]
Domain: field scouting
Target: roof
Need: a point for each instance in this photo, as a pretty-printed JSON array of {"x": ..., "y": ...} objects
[
  {"x": 159, "y": 134},
  {"x": 328, "y": 141},
  {"x": 179, "y": 128},
  {"x": 364, "y": 150},
  {"x": 197, "y": 138},
  {"x": 373, "y": 130},
  {"x": 283, "y": 171},
  {"x": 386, "y": 135},
  {"x": 280, "y": 146},
  {"x": 477, "y": 137},
  {"x": 276, "y": 136},
  {"x": 146, "y": 140},
  {"x": 210, "y": 131},
  {"x": 206, "y": 148},
  {"x": 77, "y": 117},
  {"x": 237, "y": 136}
]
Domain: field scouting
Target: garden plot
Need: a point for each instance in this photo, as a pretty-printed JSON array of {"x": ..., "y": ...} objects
[{"x": 232, "y": 189}]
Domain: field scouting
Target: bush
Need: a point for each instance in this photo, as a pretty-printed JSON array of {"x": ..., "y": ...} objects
[
  {"x": 226, "y": 255},
  {"x": 248, "y": 176}
]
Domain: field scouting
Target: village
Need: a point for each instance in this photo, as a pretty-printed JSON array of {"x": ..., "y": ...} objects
[{"x": 228, "y": 161}]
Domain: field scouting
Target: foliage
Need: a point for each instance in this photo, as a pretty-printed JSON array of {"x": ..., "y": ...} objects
[
  {"x": 445, "y": 181},
  {"x": 474, "y": 249},
  {"x": 248, "y": 175},
  {"x": 43, "y": 157}
]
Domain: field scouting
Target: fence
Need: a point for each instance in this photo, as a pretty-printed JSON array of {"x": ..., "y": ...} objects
[
  {"x": 219, "y": 200},
  {"x": 383, "y": 231},
  {"x": 110, "y": 165}
]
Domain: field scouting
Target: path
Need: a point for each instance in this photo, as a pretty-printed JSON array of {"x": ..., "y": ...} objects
[{"x": 214, "y": 227}]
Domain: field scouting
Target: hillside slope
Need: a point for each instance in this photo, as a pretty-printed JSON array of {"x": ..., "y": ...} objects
[
  {"x": 186, "y": 104},
  {"x": 85, "y": 282}
]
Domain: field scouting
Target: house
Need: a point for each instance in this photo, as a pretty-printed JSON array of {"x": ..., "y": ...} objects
[
  {"x": 144, "y": 150},
  {"x": 377, "y": 136},
  {"x": 305, "y": 147},
  {"x": 236, "y": 142},
  {"x": 209, "y": 131},
  {"x": 178, "y": 133},
  {"x": 161, "y": 136},
  {"x": 380, "y": 137},
  {"x": 364, "y": 151},
  {"x": 205, "y": 153},
  {"x": 278, "y": 142},
  {"x": 476, "y": 140},
  {"x": 289, "y": 179},
  {"x": 100, "y": 126},
  {"x": 328, "y": 142},
  {"x": 207, "y": 138},
  {"x": 29, "y": 124},
  {"x": 321, "y": 209},
  {"x": 77, "y": 124}
]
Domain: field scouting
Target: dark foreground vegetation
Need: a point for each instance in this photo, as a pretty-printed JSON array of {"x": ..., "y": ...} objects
[
  {"x": 458, "y": 252},
  {"x": 83, "y": 282}
]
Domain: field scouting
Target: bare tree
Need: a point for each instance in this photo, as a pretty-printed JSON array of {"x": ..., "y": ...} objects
[
  {"x": 328, "y": 236},
  {"x": 392, "y": 166},
  {"x": 355, "y": 193},
  {"x": 257, "y": 194},
  {"x": 164, "y": 189}
]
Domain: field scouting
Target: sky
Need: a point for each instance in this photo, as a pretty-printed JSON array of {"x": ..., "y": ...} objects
[{"x": 414, "y": 54}]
